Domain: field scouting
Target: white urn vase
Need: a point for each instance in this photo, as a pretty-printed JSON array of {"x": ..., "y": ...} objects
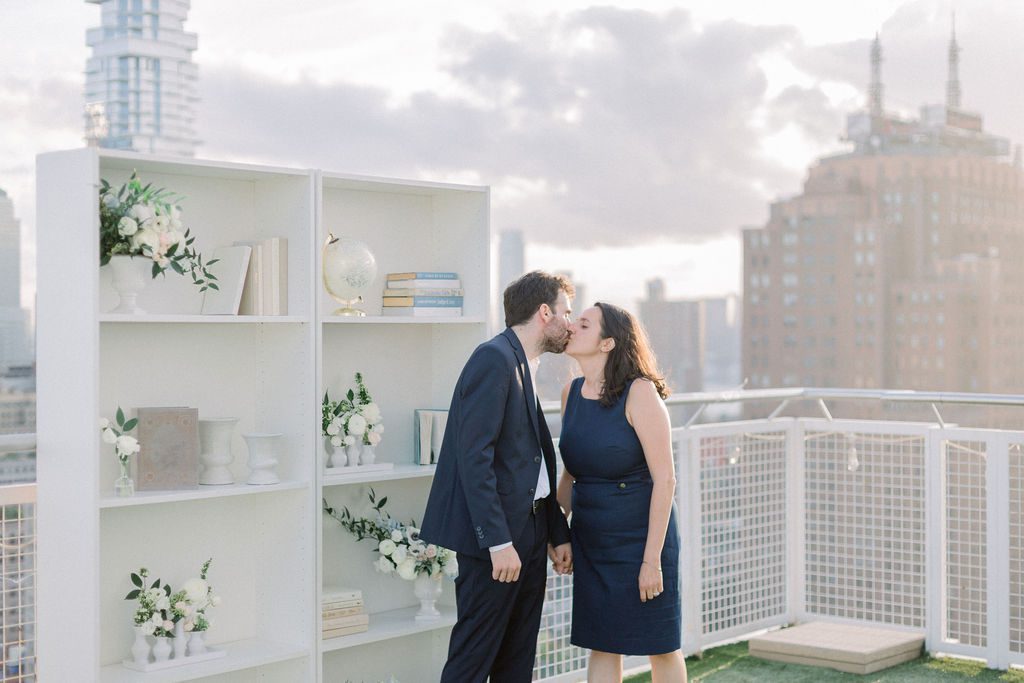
[
  {"x": 180, "y": 643},
  {"x": 263, "y": 454},
  {"x": 141, "y": 646},
  {"x": 162, "y": 649},
  {"x": 368, "y": 455},
  {"x": 196, "y": 643},
  {"x": 128, "y": 277},
  {"x": 352, "y": 452},
  {"x": 215, "y": 450},
  {"x": 427, "y": 590}
]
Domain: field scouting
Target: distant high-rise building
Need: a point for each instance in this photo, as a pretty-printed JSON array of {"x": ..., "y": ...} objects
[
  {"x": 722, "y": 366},
  {"x": 898, "y": 265},
  {"x": 140, "y": 89},
  {"x": 10, "y": 254},
  {"x": 676, "y": 332}
]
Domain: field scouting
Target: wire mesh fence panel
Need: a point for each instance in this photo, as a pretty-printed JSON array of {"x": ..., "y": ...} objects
[
  {"x": 743, "y": 529},
  {"x": 17, "y": 569},
  {"x": 966, "y": 555},
  {"x": 864, "y": 506}
]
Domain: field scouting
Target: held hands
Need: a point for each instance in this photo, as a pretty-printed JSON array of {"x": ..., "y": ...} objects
[
  {"x": 561, "y": 557},
  {"x": 505, "y": 565},
  {"x": 651, "y": 582}
]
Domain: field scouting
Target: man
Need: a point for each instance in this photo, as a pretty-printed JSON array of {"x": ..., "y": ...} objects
[{"x": 493, "y": 497}]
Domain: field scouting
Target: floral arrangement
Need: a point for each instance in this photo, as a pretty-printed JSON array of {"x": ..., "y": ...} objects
[
  {"x": 354, "y": 419},
  {"x": 191, "y": 602},
  {"x": 138, "y": 220},
  {"x": 124, "y": 445},
  {"x": 401, "y": 550},
  {"x": 154, "y": 611}
]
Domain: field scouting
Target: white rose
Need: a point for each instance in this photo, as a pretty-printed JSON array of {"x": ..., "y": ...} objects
[
  {"x": 431, "y": 550},
  {"x": 451, "y": 568},
  {"x": 161, "y": 223},
  {"x": 396, "y": 535},
  {"x": 407, "y": 569},
  {"x": 336, "y": 441},
  {"x": 163, "y": 603},
  {"x": 196, "y": 590},
  {"x": 374, "y": 438},
  {"x": 333, "y": 428},
  {"x": 109, "y": 436},
  {"x": 128, "y": 445},
  {"x": 168, "y": 625},
  {"x": 148, "y": 628},
  {"x": 141, "y": 213},
  {"x": 349, "y": 440},
  {"x": 157, "y": 620},
  {"x": 386, "y": 547},
  {"x": 371, "y": 412},
  {"x": 146, "y": 237},
  {"x": 401, "y": 553},
  {"x": 356, "y": 425},
  {"x": 104, "y": 423},
  {"x": 180, "y": 605},
  {"x": 385, "y": 565},
  {"x": 127, "y": 226}
]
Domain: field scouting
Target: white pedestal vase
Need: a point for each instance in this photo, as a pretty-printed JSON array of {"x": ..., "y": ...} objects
[
  {"x": 215, "y": 450},
  {"x": 128, "y": 277},
  {"x": 336, "y": 456},
  {"x": 263, "y": 452},
  {"x": 162, "y": 649},
  {"x": 196, "y": 643},
  {"x": 368, "y": 455},
  {"x": 353, "y": 454},
  {"x": 427, "y": 590},
  {"x": 180, "y": 642},
  {"x": 141, "y": 647}
]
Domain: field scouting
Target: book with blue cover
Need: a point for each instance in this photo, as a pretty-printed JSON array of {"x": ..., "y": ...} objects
[
  {"x": 422, "y": 301},
  {"x": 424, "y": 275}
]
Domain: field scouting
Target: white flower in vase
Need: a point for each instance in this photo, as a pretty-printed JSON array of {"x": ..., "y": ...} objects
[
  {"x": 350, "y": 440},
  {"x": 127, "y": 445},
  {"x": 356, "y": 425},
  {"x": 387, "y": 547},
  {"x": 334, "y": 428},
  {"x": 400, "y": 554},
  {"x": 373, "y": 437},
  {"x": 148, "y": 628},
  {"x": 385, "y": 565},
  {"x": 141, "y": 213},
  {"x": 196, "y": 590},
  {"x": 396, "y": 535},
  {"x": 109, "y": 436},
  {"x": 127, "y": 226},
  {"x": 337, "y": 441},
  {"x": 371, "y": 412},
  {"x": 451, "y": 567},
  {"x": 407, "y": 569}
]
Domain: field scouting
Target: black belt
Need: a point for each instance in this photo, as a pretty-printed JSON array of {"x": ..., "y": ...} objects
[{"x": 538, "y": 505}]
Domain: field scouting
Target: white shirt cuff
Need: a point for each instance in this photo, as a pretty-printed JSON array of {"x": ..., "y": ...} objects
[{"x": 496, "y": 548}]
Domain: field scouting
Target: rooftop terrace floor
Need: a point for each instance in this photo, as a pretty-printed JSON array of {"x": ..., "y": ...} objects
[{"x": 732, "y": 664}]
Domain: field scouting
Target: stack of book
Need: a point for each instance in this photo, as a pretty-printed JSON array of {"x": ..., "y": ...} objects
[
  {"x": 342, "y": 612},
  {"x": 423, "y": 294},
  {"x": 266, "y": 283}
]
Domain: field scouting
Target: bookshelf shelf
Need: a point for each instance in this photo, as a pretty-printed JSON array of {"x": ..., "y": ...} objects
[
  {"x": 202, "y": 493},
  {"x": 399, "y": 472},
  {"x": 241, "y": 655},
  {"x": 113, "y": 318},
  {"x": 391, "y": 624},
  {"x": 402, "y": 320}
]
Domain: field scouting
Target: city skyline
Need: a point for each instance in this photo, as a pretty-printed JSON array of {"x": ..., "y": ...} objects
[{"x": 737, "y": 108}]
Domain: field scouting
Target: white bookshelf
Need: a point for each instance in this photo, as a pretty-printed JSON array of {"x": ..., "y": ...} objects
[{"x": 273, "y": 548}]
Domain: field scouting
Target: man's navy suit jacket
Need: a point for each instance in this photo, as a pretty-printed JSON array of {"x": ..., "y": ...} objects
[{"x": 490, "y": 458}]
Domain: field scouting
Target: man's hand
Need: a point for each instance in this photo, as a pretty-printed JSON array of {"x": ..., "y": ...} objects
[
  {"x": 505, "y": 565},
  {"x": 561, "y": 557}
]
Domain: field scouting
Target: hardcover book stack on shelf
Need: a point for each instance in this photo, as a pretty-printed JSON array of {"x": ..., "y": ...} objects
[
  {"x": 343, "y": 615},
  {"x": 428, "y": 294}
]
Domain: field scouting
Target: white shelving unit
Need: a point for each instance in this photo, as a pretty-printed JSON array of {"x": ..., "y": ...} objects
[{"x": 272, "y": 546}]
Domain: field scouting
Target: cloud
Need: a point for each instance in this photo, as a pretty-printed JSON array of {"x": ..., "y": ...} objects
[{"x": 602, "y": 126}]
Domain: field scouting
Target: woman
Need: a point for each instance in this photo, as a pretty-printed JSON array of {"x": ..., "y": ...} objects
[{"x": 619, "y": 483}]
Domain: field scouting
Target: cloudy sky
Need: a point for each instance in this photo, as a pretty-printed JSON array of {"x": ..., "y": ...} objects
[{"x": 628, "y": 140}]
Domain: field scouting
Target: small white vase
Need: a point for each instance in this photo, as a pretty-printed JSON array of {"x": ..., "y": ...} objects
[
  {"x": 262, "y": 457},
  {"x": 196, "y": 643},
  {"x": 215, "y": 450},
  {"x": 428, "y": 590},
  {"x": 353, "y": 454},
  {"x": 141, "y": 647},
  {"x": 179, "y": 640},
  {"x": 335, "y": 454},
  {"x": 162, "y": 649},
  {"x": 367, "y": 455},
  {"x": 128, "y": 277}
]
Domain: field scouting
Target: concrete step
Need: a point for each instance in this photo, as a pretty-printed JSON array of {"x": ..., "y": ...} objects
[{"x": 845, "y": 647}]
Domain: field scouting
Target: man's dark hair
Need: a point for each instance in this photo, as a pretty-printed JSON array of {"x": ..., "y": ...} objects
[{"x": 524, "y": 296}]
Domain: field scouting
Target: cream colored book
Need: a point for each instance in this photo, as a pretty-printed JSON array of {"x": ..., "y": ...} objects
[
  {"x": 342, "y": 612},
  {"x": 343, "y": 622},
  {"x": 344, "y": 631}
]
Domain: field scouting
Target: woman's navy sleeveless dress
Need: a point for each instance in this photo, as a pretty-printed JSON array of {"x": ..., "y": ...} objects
[{"x": 611, "y": 504}]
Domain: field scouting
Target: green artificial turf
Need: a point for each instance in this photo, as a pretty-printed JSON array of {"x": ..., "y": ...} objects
[{"x": 732, "y": 664}]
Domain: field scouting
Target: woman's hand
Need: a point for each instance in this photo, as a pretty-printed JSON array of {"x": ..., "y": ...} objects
[{"x": 651, "y": 582}]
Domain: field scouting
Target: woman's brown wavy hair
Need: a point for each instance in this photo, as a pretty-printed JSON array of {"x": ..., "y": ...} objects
[{"x": 632, "y": 356}]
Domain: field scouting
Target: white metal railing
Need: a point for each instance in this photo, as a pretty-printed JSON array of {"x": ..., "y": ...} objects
[
  {"x": 17, "y": 569},
  {"x": 910, "y": 525}
]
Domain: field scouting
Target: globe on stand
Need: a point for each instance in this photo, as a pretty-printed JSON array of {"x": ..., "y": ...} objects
[{"x": 349, "y": 268}]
